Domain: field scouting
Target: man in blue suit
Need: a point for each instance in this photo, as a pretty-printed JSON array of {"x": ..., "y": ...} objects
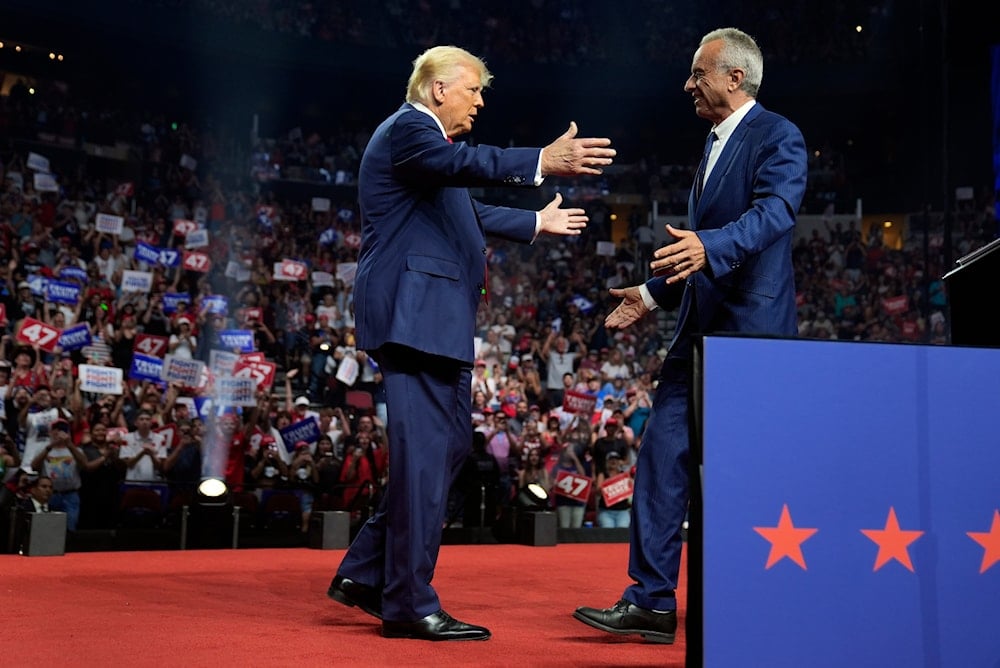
[
  {"x": 421, "y": 275},
  {"x": 731, "y": 272}
]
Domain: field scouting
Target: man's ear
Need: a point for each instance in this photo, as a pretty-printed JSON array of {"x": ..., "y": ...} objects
[
  {"x": 437, "y": 90},
  {"x": 736, "y": 77}
]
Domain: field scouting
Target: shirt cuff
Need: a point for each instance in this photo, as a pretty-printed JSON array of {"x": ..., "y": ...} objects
[
  {"x": 538, "y": 169},
  {"x": 647, "y": 298}
]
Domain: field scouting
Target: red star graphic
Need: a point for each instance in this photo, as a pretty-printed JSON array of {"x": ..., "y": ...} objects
[
  {"x": 786, "y": 540},
  {"x": 892, "y": 542},
  {"x": 990, "y": 540}
]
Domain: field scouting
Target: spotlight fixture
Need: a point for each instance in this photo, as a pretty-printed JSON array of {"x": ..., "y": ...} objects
[
  {"x": 532, "y": 497},
  {"x": 213, "y": 492}
]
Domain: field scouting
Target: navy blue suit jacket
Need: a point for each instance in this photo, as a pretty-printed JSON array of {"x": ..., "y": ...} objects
[
  {"x": 423, "y": 252},
  {"x": 745, "y": 219}
]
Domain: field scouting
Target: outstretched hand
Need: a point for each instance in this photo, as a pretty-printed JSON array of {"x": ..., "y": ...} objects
[
  {"x": 629, "y": 311},
  {"x": 680, "y": 258},
  {"x": 562, "y": 221},
  {"x": 570, "y": 156}
]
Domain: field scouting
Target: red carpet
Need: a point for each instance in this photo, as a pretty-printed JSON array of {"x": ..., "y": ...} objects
[{"x": 269, "y": 608}]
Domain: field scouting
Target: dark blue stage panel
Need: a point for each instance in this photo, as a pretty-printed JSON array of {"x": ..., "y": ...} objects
[{"x": 851, "y": 504}]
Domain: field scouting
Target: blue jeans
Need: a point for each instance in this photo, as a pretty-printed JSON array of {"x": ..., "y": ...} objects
[
  {"x": 612, "y": 519},
  {"x": 69, "y": 503}
]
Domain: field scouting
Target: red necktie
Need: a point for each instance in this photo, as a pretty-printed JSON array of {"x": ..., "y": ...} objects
[{"x": 449, "y": 140}]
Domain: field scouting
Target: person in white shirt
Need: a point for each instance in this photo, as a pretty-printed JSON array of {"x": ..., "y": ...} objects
[
  {"x": 144, "y": 451},
  {"x": 183, "y": 343}
]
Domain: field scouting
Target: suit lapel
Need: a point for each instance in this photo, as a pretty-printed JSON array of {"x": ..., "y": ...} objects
[{"x": 733, "y": 147}]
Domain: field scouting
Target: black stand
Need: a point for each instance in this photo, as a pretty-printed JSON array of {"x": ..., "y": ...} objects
[{"x": 971, "y": 287}]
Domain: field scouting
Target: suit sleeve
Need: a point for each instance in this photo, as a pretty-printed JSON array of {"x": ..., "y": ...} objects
[
  {"x": 667, "y": 297},
  {"x": 420, "y": 153},
  {"x": 506, "y": 223}
]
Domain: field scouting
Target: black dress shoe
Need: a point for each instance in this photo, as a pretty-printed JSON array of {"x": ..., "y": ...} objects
[
  {"x": 438, "y": 626},
  {"x": 624, "y": 618},
  {"x": 351, "y": 593}
]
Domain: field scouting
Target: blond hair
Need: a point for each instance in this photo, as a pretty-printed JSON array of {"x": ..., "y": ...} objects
[{"x": 441, "y": 63}]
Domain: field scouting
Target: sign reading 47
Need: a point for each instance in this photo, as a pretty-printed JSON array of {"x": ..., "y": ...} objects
[{"x": 37, "y": 333}]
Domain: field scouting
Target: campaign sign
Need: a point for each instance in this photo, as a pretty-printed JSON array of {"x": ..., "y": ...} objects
[
  {"x": 184, "y": 227},
  {"x": 253, "y": 313},
  {"x": 318, "y": 203},
  {"x": 136, "y": 281},
  {"x": 73, "y": 273},
  {"x": 233, "y": 269},
  {"x": 146, "y": 253},
  {"x": 347, "y": 371},
  {"x": 265, "y": 215},
  {"x": 261, "y": 372},
  {"x": 295, "y": 269},
  {"x": 203, "y": 407},
  {"x": 186, "y": 372},
  {"x": 232, "y": 391},
  {"x": 304, "y": 430},
  {"x": 172, "y": 299},
  {"x": 169, "y": 434},
  {"x": 352, "y": 240},
  {"x": 39, "y": 163},
  {"x": 346, "y": 271},
  {"x": 222, "y": 362},
  {"x": 170, "y": 257},
  {"x": 617, "y": 489},
  {"x": 237, "y": 339},
  {"x": 117, "y": 434},
  {"x": 196, "y": 238},
  {"x": 62, "y": 293},
  {"x": 36, "y": 283},
  {"x": 109, "y": 223},
  {"x": 100, "y": 379},
  {"x": 253, "y": 357},
  {"x": 195, "y": 261},
  {"x": 36, "y": 333},
  {"x": 150, "y": 344},
  {"x": 215, "y": 304},
  {"x": 322, "y": 279},
  {"x": 579, "y": 403},
  {"x": 76, "y": 337},
  {"x": 46, "y": 183},
  {"x": 572, "y": 486},
  {"x": 606, "y": 248},
  {"x": 146, "y": 367}
]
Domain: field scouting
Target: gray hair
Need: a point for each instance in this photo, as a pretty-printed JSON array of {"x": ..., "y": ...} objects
[{"x": 739, "y": 51}]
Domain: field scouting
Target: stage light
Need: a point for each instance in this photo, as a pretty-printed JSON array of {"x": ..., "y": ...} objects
[
  {"x": 52, "y": 56},
  {"x": 532, "y": 497},
  {"x": 213, "y": 492}
]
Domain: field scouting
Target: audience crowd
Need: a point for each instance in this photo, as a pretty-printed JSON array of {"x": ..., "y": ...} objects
[
  {"x": 574, "y": 32},
  {"x": 189, "y": 255}
]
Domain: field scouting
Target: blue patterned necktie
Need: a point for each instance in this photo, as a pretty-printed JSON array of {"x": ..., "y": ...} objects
[{"x": 699, "y": 179}]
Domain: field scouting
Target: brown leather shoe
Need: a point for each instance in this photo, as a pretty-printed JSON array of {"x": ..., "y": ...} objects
[
  {"x": 437, "y": 626},
  {"x": 625, "y": 618}
]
